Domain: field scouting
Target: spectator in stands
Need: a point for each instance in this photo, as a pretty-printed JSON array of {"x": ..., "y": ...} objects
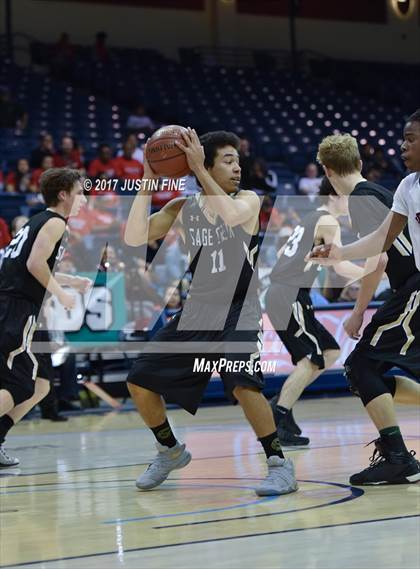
[
  {"x": 349, "y": 293},
  {"x": 139, "y": 121},
  {"x": 5, "y": 236},
  {"x": 104, "y": 165},
  {"x": 373, "y": 175},
  {"x": 268, "y": 213},
  {"x": 109, "y": 260},
  {"x": 138, "y": 151},
  {"x": 69, "y": 155},
  {"x": 366, "y": 153},
  {"x": 100, "y": 49},
  {"x": 12, "y": 114},
  {"x": 45, "y": 148},
  {"x": 246, "y": 160},
  {"x": 309, "y": 183},
  {"x": 1, "y": 181},
  {"x": 63, "y": 56},
  {"x": 67, "y": 265},
  {"x": 172, "y": 300},
  {"x": 126, "y": 167},
  {"x": 18, "y": 180},
  {"x": 47, "y": 162},
  {"x": 262, "y": 178},
  {"x": 17, "y": 223}
]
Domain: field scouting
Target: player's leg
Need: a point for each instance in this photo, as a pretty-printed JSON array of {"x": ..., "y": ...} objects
[
  {"x": 6, "y": 402},
  {"x": 313, "y": 350},
  {"x": 407, "y": 391},
  {"x": 301, "y": 377},
  {"x": 281, "y": 475},
  {"x": 42, "y": 386},
  {"x": 152, "y": 410},
  {"x": 156, "y": 377},
  {"x": 171, "y": 454},
  {"x": 397, "y": 465}
]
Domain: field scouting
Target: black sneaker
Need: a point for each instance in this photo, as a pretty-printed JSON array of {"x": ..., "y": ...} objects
[
  {"x": 388, "y": 467},
  {"x": 289, "y": 439},
  {"x": 286, "y": 421},
  {"x": 53, "y": 416},
  {"x": 291, "y": 424}
]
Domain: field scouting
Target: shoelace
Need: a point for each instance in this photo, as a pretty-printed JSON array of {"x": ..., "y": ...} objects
[
  {"x": 275, "y": 472},
  {"x": 4, "y": 455},
  {"x": 377, "y": 456}
]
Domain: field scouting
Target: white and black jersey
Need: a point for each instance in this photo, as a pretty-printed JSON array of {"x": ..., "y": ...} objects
[
  {"x": 367, "y": 215},
  {"x": 222, "y": 257},
  {"x": 291, "y": 268}
]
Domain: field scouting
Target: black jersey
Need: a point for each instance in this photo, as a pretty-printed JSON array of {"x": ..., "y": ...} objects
[
  {"x": 367, "y": 215},
  {"x": 15, "y": 279},
  {"x": 222, "y": 257},
  {"x": 291, "y": 268}
]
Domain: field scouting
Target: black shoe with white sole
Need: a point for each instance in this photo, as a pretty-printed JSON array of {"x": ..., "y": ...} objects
[{"x": 388, "y": 467}]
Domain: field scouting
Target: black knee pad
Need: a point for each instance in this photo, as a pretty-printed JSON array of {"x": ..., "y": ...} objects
[
  {"x": 20, "y": 393},
  {"x": 365, "y": 379}
]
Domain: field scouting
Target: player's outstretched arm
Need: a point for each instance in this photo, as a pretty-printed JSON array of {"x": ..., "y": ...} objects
[
  {"x": 373, "y": 244},
  {"x": 42, "y": 249},
  {"x": 328, "y": 230},
  {"x": 240, "y": 210}
]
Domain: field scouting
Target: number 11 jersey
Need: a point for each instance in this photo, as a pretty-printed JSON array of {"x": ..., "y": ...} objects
[{"x": 222, "y": 258}]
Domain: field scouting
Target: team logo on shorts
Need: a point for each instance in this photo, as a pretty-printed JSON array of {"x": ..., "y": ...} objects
[{"x": 418, "y": 217}]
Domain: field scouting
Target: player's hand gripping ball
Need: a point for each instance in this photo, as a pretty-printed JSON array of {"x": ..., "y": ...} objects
[{"x": 165, "y": 158}]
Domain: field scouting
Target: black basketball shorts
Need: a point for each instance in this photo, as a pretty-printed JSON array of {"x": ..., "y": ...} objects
[{"x": 181, "y": 375}]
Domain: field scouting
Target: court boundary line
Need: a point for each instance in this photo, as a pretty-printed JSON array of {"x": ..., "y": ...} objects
[
  {"x": 354, "y": 494},
  {"x": 213, "y": 540}
]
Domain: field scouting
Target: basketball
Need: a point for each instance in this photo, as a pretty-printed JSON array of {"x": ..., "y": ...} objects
[{"x": 164, "y": 156}]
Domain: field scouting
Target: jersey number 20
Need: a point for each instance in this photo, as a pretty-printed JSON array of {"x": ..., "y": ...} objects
[{"x": 15, "y": 246}]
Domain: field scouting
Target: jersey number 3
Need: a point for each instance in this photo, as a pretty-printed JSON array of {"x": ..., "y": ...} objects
[{"x": 293, "y": 241}]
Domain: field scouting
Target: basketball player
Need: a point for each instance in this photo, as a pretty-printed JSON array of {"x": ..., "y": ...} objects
[
  {"x": 220, "y": 228},
  {"x": 393, "y": 336},
  {"x": 312, "y": 348},
  {"x": 25, "y": 275}
]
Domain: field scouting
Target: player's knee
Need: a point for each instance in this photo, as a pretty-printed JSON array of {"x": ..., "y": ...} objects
[
  {"x": 139, "y": 393},
  {"x": 306, "y": 366},
  {"x": 352, "y": 376},
  {"x": 42, "y": 388},
  {"x": 242, "y": 391},
  {"x": 364, "y": 379},
  {"x": 330, "y": 357},
  {"x": 21, "y": 393}
]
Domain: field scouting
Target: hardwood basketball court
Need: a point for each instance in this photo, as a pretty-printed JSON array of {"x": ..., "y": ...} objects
[{"x": 74, "y": 504}]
